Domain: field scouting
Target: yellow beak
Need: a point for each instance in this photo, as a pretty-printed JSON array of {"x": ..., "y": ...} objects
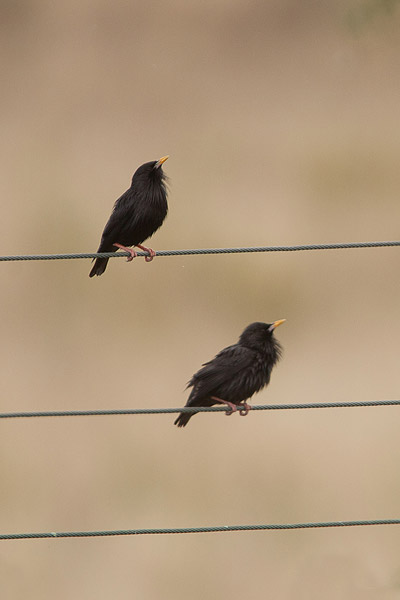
[
  {"x": 161, "y": 161},
  {"x": 277, "y": 323}
]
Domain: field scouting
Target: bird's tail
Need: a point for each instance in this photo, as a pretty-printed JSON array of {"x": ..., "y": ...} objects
[
  {"x": 183, "y": 419},
  {"x": 99, "y": 267}
]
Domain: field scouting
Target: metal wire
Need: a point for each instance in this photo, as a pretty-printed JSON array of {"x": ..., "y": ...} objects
[
  {"x": 187, "y": 409},
  {"x": 220, "y": 529},
  {"x": 203, "y": 251}
]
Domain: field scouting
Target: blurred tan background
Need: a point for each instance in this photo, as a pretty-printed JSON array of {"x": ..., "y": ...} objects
[{"x": 282, "y": 123}]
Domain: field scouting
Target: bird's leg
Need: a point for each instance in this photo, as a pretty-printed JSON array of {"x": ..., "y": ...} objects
[
  {"x": 131, "y": 251},
  {"x": 149, "y": 250},
  {"x": 245, "y": 410},
  {"x": 232, "y": 406}
]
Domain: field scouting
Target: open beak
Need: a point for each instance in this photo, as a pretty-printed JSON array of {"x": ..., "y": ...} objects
[
  {"x": 276, "y": 324},
  {"x": 161, "y": 161}
]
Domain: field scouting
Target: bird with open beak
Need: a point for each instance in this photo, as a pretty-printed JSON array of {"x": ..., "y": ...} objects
[{"x": 137, "y": 214}]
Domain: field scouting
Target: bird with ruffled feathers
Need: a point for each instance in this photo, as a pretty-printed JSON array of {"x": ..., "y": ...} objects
[
  {"x": 237, "y": 372},
  {"x": 137, "y": 214}
]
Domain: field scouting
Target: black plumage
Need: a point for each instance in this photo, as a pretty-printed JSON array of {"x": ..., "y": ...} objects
[
  {"x": 237, "y": 372},
  {"x": 137, "y": 214}
]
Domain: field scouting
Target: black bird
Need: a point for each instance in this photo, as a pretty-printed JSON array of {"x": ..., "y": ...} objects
[
  {"x": 137, "y": 214},
  {"x": 237, "y": 372}
]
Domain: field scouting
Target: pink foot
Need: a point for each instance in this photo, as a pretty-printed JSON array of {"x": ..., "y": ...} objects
[
  {"x": 132, "y": 252},
  {"x": 149, "y": 250},
  {"x": 232, "y": 406},
  {"x": 245, "y": 410}
]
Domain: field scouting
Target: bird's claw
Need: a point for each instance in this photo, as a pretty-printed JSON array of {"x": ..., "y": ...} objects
[
  {"x": 150, "y": 258},
  {"x": 231, "y": 407},
  {"x": 245, "y": 409},
  {"x": 151, "y": 252},
  {"x": 131, "y": 257},
  {"x": 131, "y": 251}
]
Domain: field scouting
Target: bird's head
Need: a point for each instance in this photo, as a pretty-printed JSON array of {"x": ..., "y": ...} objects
[
  {"x": 151, "y": 171},
  {"x": 259, "y": 334}
]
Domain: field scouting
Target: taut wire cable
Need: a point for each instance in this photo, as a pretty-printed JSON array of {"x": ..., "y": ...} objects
[
  {"x": 219, "y": 529},
  {"x": 203, "y": 251},
  {"x": 190, "y": 409}
]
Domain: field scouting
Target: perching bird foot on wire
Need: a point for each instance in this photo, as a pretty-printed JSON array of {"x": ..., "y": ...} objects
[
  {"x": 133, "y": 254},
  {"x": 245, "y": 410},
  {"x": 237, "y": 372},
  {"x": 233, "y": 407},
  {"x": 131, "y": 251},
  {"x": 136, "y": 215},
  {"x": 151, "y": 252},
  {"x": 242, "y": 406}
]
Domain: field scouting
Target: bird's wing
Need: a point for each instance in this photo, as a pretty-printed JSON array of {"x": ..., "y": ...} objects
[
  {"x": 112, "y": 227},
  {"x": 228, "y": 364},
  {"x": 116, "y": 224}
]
